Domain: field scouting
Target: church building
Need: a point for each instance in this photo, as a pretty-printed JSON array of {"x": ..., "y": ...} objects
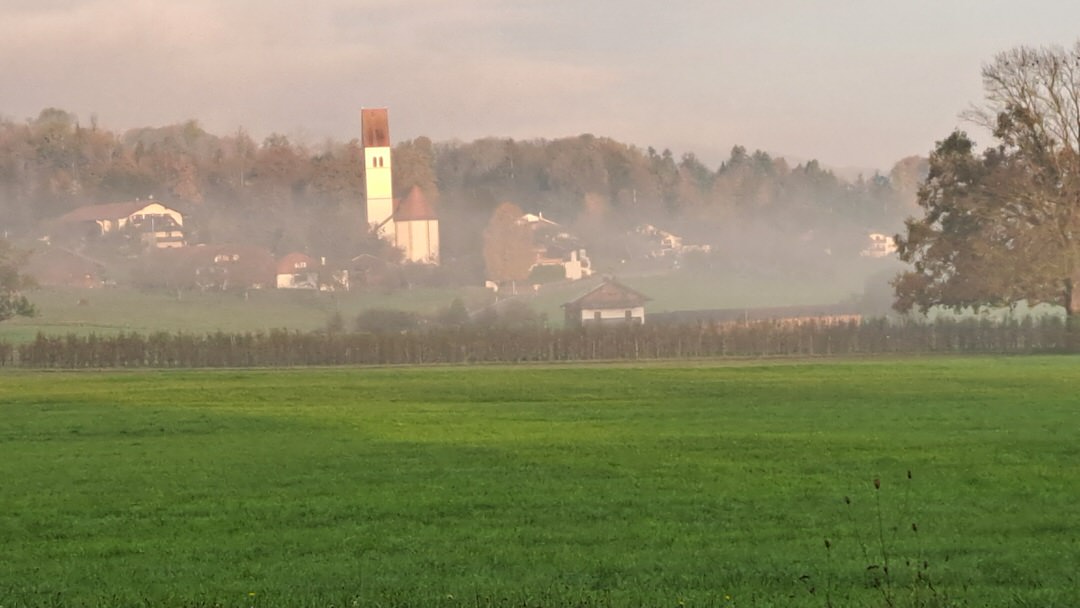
[{"x": 411, "y": 223}]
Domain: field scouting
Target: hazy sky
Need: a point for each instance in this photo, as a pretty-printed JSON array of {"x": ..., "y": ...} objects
[{"x": 852, "y": 83}]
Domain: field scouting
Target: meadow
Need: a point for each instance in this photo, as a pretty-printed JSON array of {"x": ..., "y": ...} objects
[
  {"x": 108, "y": 311},
  {"x": 746, "y": 483}
]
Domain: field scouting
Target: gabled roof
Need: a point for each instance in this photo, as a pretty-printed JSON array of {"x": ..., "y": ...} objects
[
  {"x": 296, "y": 261},
  {"x": 414, "y": 207},
  {"x": 536, "y": 218},
  {"x": 609, "y": 294},
  {"x": 108, "y": 211}
]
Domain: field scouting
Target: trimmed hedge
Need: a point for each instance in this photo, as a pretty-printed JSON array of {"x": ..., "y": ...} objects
[{"x": 284, "y": 348}]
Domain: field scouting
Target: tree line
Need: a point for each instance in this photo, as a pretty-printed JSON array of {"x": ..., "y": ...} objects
[
  {"x": 288, "y": 195},
  {"x": 992, "y": 227},
  {"x": 504, "y": 344}
]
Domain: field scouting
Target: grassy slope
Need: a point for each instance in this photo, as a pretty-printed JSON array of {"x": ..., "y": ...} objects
[
  {"x": 123, "y": 309},
  {"x": 112, "y": 310},
  {"x": 714, "y": 485}
]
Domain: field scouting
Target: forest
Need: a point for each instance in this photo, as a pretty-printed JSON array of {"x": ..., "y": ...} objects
[{"x": 753, "y": 210}]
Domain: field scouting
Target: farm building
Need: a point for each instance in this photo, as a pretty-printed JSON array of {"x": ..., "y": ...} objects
[
  {"x": 157, "y": 225},
  {"x": 608, "y": 303}
]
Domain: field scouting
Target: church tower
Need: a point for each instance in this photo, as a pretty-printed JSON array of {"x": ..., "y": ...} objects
[{"x": 378, "y": 180}]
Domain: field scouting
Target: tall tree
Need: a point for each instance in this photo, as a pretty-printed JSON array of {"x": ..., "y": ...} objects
[
  {"x": 1004, "y": 226},
  {"x": 12, "y": 283},
  {"x": 508, "y": 246}
]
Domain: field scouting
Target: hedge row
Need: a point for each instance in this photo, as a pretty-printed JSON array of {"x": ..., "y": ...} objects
[{"x": 283, "y": 348}]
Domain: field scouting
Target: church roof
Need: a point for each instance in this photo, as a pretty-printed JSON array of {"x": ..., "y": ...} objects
[{"x": 414, "y": 207}]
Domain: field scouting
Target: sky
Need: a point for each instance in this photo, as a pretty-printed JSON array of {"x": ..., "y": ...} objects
[{"x": 852, "y": 83}]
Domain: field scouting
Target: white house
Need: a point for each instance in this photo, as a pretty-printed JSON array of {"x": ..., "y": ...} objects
[
  {"x": 881, "y": 245},
  {"x": 608, "y": 303},
  {"x": 157, "y": 225}
]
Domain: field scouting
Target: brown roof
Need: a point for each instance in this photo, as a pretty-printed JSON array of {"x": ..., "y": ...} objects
[
  {"x": 414, "y": 207},
  {"x": 59, "y": 267},
  {"x": 609, "y": 294},
  {"x": 290, "y": 263},
  {"x": 108, "y": 211}
]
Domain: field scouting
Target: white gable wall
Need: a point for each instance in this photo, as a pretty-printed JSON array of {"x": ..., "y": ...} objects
[
  {"x": 419, "y": 239},
  {"x": 608, "y": 315}
]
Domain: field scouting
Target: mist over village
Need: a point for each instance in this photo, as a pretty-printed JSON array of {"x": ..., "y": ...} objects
[
  {"x": 175, "y": 209},
  {"x": 489, "y": 304}
]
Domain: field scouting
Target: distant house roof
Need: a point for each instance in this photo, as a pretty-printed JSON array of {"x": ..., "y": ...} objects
[
  {"x": 294, "y": 262},
  {"x": 535, "y": 218},
  {"x": 108, "y": 211},
  {"x": 609, "y": 294},
  {"x": 59, "y": 267},
  {"x": 414, "y": 207}
]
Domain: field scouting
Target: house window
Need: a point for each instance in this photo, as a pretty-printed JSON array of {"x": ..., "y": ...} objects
[
  {"x": 596, "y": 316},
  {"x": 301, "y": 264},
  {"x": 629, "y": 315}
]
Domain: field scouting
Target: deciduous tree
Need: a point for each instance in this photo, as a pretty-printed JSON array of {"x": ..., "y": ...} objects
[
  {"x": 508, "y": 247},
  {"x": 12, "y": 283},
  {"x": 1003, "y": 226}
]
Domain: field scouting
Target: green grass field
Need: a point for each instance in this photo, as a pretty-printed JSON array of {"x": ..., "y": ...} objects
[
  {"x": 618, "y": 485},
  {"x": 124, "y": 309},
  {"x": 108, "y": 311}
]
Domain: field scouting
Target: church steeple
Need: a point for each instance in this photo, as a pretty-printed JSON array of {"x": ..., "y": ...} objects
[
  {"x": 378, "y": 177},
  {"x": 412, "y": 225}
]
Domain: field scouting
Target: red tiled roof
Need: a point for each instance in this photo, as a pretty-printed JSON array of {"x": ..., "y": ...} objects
[
  {"x": 609, "y": 294},
  {"x": 290, "y": 263},
  {"x": 414, "y": 207},
  {"x": 108, "y": 211}
]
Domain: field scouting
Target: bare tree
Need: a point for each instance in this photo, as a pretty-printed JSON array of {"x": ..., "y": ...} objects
[{"x": 1004, "y": 225}]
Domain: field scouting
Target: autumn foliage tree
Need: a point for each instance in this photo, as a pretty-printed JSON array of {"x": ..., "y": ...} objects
[
  {"x": 1003, "y": 226},
  {"x": 508, "y": 246}
]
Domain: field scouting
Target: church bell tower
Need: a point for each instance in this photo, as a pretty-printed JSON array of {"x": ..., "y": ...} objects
[{"x": 378, "y": 179}]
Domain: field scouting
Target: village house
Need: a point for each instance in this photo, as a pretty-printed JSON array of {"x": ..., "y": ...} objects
[
  {"x": 207, "y": 268},
  {"x": 231, "y": 266},
  {"x": 297, "y": 271},
  {"x": 554, "y": 246},
  {"x": 606, "y": 304},
  {"x": 660, "y": 243},
  {"x": 157, "y": 225},
  {"x": 881, "y": 246}
]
